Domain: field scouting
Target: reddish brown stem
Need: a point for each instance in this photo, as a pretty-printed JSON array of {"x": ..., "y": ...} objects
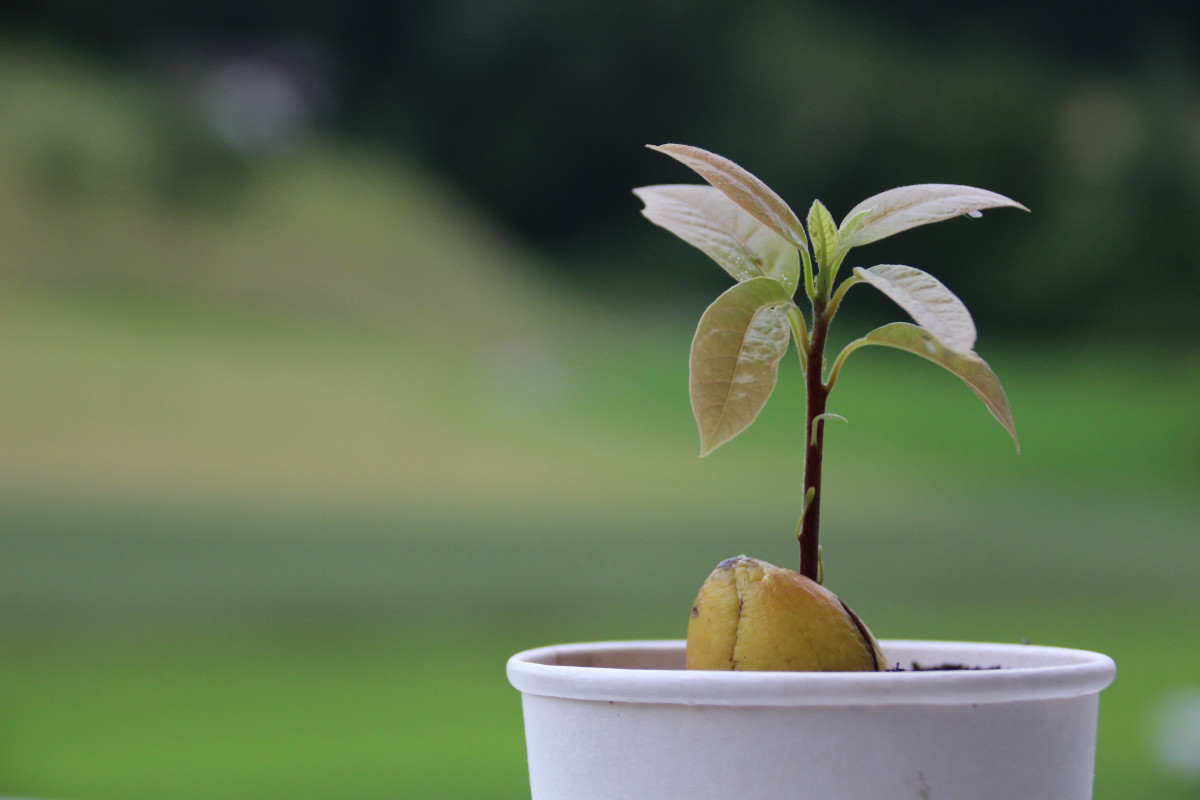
[{"x": 814, "y": 431}]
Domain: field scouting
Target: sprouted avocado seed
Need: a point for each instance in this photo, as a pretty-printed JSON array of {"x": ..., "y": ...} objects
[{"x": 739, "y": 222}]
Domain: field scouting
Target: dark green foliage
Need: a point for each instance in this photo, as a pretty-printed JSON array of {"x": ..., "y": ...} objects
[{"x": 529, "y": 105}]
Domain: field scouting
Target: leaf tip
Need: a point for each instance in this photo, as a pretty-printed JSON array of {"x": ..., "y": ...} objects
[
  {"x": 707, "y": 445},
  {"x": 1004, "y": 416}
]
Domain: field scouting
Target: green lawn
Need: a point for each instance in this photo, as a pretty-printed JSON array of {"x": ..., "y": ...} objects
[{"x": 244, "y": 591}]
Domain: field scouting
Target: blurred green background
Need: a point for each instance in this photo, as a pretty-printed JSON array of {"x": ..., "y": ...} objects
[{"x": 337, "y": 365}]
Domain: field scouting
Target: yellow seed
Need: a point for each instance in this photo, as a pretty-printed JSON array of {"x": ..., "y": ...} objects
[{"x": 751, "y": 615}]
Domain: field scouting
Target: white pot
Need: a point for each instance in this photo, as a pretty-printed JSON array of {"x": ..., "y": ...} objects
[{"x": 624, "y": 720}]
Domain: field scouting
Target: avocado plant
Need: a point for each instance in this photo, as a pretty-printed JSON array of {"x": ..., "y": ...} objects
[{"x": 749, "y": 614}]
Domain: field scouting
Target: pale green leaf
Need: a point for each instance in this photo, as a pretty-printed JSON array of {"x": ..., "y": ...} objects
[
  {"x": 705, "y": 218},
  {"x": 850, "y": 226},
  {"x": 934, "y": 307},
  {"x": 968, "y": 366},
  {"x": 823, "y": 233},
  {"x": 758, "y": 199},
  {"x": 735, "y": 358},
  {"x": 909, "y": 206}
]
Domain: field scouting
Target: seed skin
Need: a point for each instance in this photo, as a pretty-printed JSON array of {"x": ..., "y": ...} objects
[{"x": 752, "y": 615}]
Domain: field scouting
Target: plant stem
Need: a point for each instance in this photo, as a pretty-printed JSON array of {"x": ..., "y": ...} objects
[{"x": 814, "y": 430}]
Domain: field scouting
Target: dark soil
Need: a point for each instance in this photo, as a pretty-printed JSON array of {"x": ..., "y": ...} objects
[{"x": 918, "y": 667}]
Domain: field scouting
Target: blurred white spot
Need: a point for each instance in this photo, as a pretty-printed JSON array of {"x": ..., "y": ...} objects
[
  {"x": 254, "y": 106},
  {"x": 974, "y": 214},
  {"x": 1175, "y": 733}
]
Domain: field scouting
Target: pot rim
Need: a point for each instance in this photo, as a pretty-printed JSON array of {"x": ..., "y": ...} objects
[{"x": 597, "y": 671}]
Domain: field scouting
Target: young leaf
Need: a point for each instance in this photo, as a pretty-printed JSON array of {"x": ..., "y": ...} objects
[
  {"x": 735, "y": 358},
  {"x": 741, "y": 187},
  {"x": 823, "y": 232},
  {"x": 968, "y": 366},
  {"x": 909, "y": 206},
  {"x": 934, "y": 307},
  {"x": 850, "y": 226},
  {"x": 705, "y": 218}
]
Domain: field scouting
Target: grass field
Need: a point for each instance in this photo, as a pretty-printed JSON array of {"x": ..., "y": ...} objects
[
  {"x": 251, "y": 599},
  {"x": 280, "y": 496}
]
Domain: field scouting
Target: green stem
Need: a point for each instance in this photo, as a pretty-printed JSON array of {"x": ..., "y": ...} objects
[
  {"x": 807, "y": 269},
  {"x": 800, "y": 331},
  {"x": 841, "y": 293},
  {"x": 841, "y": 359}
]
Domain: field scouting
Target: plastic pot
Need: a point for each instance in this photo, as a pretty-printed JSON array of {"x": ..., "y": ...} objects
[{"x": 617, "y": 720}]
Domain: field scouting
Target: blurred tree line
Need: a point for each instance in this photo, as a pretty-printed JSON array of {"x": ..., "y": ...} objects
[{"x": 1088, "y": 114}]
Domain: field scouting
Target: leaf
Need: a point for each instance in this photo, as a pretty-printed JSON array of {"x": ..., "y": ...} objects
[
  {"x": 934, "y": 307},
  {"x": 850, "y": 226},
  {"x": 735, "y": 358},
  {"x": 705, "y": 218},
  {"x": 823, "y": 232},
  {"x": 968, "y": 366},
  {"x": 741, "y": 187},
  {"x": 909, "y": 206}
]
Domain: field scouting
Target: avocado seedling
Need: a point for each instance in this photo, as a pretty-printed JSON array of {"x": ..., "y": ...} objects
[{"x": 749, "y": 614}]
